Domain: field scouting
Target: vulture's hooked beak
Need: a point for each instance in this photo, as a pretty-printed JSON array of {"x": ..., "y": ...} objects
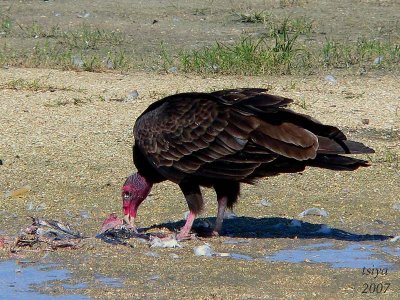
[
  {"x": 129, "y": 209},
  {"x": 130, "y": 222}
]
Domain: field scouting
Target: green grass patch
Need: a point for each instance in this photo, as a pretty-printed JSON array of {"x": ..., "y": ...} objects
[
  {"x": 36, "y": 30},
  {"x": 254, "y": 17},
  {"x": 390, "y": 157},
  {"x": 301, "y": 25},
  {"x": 277, "y": 51},
  {"x": 286, "y": 48},
  {"x": 83, "y": 48},
  {"x": 88, "y": 38},
  {"x": 290, "y": 3},
  {"x": 6, "y": 23},
  {"x": 280, "y": 46},
  {"x": 32, "y": 85},
  {"x": 364, "y": 52}
]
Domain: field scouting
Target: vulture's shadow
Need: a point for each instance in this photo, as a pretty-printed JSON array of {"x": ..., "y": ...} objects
[{"x": 248, "y": 227}]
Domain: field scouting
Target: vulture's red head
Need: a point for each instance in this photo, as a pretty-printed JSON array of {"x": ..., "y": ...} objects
[{"x": 134, "y": 191}]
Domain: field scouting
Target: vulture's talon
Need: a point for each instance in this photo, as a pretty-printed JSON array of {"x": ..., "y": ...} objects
[
  {"x": 132, "y": 228},
  {"x": 185, "y": 237}
]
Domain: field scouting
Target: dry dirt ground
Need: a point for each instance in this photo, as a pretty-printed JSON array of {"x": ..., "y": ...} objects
[
  {"x": 69, "y": 137},
  {"x": 189, "y": 25}
]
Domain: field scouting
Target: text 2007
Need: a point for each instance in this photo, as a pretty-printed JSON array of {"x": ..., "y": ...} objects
[{"x": 375, "y": 288}]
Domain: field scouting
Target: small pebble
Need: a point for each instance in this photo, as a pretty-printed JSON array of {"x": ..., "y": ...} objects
[
  {"x": 215, "y": 67},
  {"x": 365, "y": 121},
  {"x": 84, "y": 14},
  {"x": 152, "y": 254},
  {"x": 132, "y": 96},
  {"x": 330, "y": 78},
  {"x": 68, "y": 213},
  {"x": 85, "y": 215},
  {"x": 396, "y": 206},
  {"x": 395, "y": 239},
  {"x": 154, "y": 277},
  {"x": 108, "y": 64},
  {"x": 314, "y": 211},
  {"x": 41, "y": 206},
  {"x": 77, "y": 61},
  {"x": 378, "y": 60},
  {"x": 204, "y": 250},
  {"x": 265, "y": 202},
  {"x": 173, "y": 70},
  {"x": 174, "y": 256},
  {"x": 30, "y": 206}
]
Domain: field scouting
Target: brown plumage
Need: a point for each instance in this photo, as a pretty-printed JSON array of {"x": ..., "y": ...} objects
[{"x": 223, "y": 138}]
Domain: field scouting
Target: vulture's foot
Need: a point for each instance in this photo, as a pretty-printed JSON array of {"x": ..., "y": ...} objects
[{"x": 184, "y": 236}]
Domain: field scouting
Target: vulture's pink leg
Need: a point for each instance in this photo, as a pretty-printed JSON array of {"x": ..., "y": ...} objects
[
  {"x": 185, "y": 230},
  {"x": 220, "y": 215},
  {"x": 195, "y": 203}
]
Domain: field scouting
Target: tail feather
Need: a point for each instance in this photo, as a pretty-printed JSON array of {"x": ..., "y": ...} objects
[
  {"x": 358, "y": 148},
  {"x": 337, "y": 162},
  {"x": 329, "y": 146}
]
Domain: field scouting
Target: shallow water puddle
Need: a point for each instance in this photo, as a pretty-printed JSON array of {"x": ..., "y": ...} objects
[
  {"x": 352, "y": 256},
  {"x": 17, "y": 281}
]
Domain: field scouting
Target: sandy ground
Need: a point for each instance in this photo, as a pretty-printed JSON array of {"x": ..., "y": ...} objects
[{"x": 68, "y": 136}]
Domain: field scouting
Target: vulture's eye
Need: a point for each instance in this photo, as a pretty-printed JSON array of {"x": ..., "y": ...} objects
[{"x": 127, "y": 195}]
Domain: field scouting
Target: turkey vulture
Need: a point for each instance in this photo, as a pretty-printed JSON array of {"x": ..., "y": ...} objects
[{"x": 225, "y": 138}]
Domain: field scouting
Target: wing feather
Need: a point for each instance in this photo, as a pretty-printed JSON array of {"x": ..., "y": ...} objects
[{"x": 231, "y": 134}]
